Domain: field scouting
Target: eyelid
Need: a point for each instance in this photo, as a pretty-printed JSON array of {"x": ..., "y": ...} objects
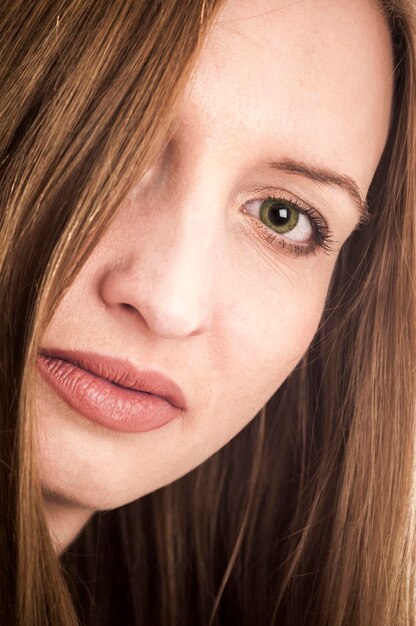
[{"x": 263, "y": 193}]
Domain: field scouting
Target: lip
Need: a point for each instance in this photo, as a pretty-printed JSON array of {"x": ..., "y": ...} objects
[{"x": 111, "y": 391}]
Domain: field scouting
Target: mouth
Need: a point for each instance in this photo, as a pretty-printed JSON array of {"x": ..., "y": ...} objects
[{"x": 110, "y": 391}]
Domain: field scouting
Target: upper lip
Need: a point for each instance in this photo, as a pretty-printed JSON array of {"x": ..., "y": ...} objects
[{"x": 122, "y": 372}]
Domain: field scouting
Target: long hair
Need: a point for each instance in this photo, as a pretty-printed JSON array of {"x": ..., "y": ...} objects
[{"x": 307, "y": 517}]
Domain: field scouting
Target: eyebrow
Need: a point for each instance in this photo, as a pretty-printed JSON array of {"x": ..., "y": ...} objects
[{"x": 326, "y": 176}]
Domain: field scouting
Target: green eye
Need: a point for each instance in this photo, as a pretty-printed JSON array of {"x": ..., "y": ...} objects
[{"x": 279, "y": 215}]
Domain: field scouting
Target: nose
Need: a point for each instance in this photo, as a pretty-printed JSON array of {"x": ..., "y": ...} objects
[{"x": 167, "y": 270}]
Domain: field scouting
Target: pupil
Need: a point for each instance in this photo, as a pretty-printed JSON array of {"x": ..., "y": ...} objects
[{"x": 279, "y": 215}]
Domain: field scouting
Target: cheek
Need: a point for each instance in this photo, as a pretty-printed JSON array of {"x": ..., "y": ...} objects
[
  {"x": 267, "y": 335},
  {"x": 258, "y": 340}
]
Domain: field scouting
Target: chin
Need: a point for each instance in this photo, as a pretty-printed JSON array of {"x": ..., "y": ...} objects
[{"x": 85, "y": 470}]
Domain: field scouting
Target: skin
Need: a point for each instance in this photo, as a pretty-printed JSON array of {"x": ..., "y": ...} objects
[{"x": 224, "y": 312}]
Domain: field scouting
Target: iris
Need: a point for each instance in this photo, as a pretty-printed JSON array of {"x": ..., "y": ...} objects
[{"x": 280, "y": 215}]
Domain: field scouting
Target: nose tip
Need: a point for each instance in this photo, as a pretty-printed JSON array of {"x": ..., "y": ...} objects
[
  {"x": 173, "y": 317},
  {"x": 167, "y": 310}
]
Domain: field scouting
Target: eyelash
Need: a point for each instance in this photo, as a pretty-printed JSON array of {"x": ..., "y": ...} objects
[{"x": 322, "y": 235}]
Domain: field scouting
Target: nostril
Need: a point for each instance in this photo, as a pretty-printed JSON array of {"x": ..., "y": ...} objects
[{"x": 127, "y": 306}]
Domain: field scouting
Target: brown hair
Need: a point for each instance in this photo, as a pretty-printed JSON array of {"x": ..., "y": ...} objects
[{"x": 324, "y": 536}]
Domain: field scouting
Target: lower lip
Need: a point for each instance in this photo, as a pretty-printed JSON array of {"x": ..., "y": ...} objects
[{"x": 104, "y": 402}]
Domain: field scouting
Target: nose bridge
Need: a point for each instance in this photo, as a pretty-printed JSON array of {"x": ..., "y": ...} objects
[
  {"x": 183, "y": 263},
  {"x": 173, "y": 268}
]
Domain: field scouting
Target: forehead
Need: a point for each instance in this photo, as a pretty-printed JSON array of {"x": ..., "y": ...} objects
[{"x": 307, "y": 79}]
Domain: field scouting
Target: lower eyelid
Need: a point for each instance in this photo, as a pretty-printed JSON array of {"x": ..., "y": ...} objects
[{"x": 267, "y": 236}]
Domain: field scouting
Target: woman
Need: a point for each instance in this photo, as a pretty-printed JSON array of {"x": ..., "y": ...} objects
[{"x": 207, "y": 309}]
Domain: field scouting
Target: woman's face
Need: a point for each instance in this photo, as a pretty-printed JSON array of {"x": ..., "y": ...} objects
[{"x": 289, "y": 101}]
